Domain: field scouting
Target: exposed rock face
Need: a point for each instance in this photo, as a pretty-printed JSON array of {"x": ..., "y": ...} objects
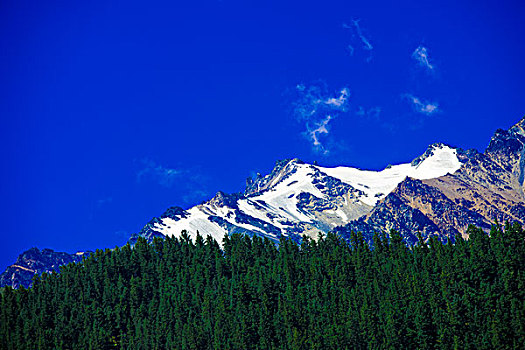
[
  {"x": 293, "y": 200},
  {"x": 148, "y": 231},
  {"x": 428, "y": 153},
  {"x": 280, "y": 172},
  {"x": 417, "y": 207},
  {"x": 489, "y": 186},
  {"x": 298, "y": 199},
  {"x": 491, "y": 183},
  {"x": 440, "y": 193},
  {"x": 35, "y": 262}
]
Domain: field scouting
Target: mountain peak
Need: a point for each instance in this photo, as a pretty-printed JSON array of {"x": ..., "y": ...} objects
[
  {"x": 35, "y": 261},
  {"x": 282, "y": 169},
  {"x": 518, "y": 128},
  {"x": 508, "y": 142},
  {"x": 222, "y": 199},
  {"x": 431, "y": 149}
]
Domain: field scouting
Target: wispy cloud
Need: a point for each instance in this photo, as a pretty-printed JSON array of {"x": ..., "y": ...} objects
[
  {"x": 373, "y": 112},
  {"x": 358, "y": 40},
  {"x": 321, "y": 129},
  {"x": 374, "y": 116},
  {"x": 188, "y": 183},
  {"x": 315, "y": 107},
  {"x": 421, "y": 56},
  {"x": 163, "y": 176},
  {"x": 422, "y": 106},
  {"x": 340, "y": 101}
]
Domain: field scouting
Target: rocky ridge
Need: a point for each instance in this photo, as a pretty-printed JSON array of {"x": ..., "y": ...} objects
[
  {"x": 488, "y": 187},
  {"x": 298, "y": 199},
  {"x": 439, "y": 193},
  {"x": 35, "y": 262}
]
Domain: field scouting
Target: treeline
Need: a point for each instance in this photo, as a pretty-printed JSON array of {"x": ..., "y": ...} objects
[{"x": 325, "y": 294}]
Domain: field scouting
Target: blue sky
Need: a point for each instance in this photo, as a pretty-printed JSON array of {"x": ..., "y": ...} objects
[{"x": 113, "y": 111}]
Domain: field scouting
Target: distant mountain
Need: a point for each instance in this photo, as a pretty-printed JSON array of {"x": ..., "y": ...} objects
[
  {"x": 35, "y": 262},
  {"x": 440, "y": 193}
]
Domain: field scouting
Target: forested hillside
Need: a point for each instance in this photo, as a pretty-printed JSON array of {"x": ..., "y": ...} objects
[{"x": 325, "y": 294}]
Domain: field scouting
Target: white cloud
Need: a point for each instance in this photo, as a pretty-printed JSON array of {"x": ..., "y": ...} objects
[
  {"x": 373, "y": 112},
  {"x": 320, "y": 129},
  {"x": 364, "y": 40},
  {"x": 359, "y": 33},
  {"x": 421, "y": 56},
  {"x": 422, "y": 106},
  {"x": 315, "y": 108},
  {"x": 351, "y": 50},
  {"x": 339, "y": 101},
  {"x": 358, "y": 39},
  {"x": 163, "y": 176}
]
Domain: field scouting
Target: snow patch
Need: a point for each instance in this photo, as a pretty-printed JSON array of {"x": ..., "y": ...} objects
[
  {"x": 277, "y": 204},
  {"x": 378, "y": 184}
]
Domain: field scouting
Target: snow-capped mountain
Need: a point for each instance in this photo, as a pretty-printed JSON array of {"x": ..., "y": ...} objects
[
  {"x": 487, "y": 187},
  {"x": 299, "y": 199},
  {"x": 440, "y": 193}
]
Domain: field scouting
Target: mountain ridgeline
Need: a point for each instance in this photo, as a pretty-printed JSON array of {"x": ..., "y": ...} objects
[
  {"x": 301, "y": 260},
  {"x": 440, "y": 193},
  {"x": 183, "y": 293},
  {"x": 36, "y": 262}
]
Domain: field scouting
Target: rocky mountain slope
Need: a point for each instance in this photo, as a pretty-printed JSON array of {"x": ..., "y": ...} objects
[
  {"x": 487, "y": 187},
  {"x": 298, "y": 199},
  {"x": 35, "y": 261},
  {"x": 440, "y": 193}
]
